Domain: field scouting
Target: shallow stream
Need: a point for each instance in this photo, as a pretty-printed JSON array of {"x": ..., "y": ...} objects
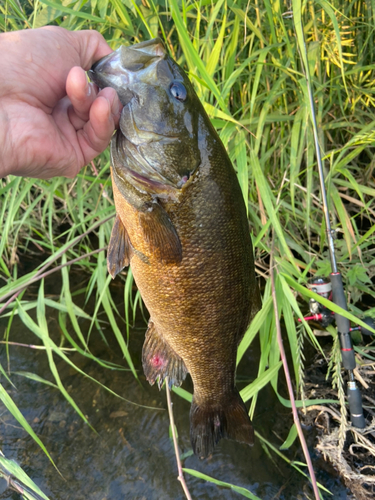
[{"x": 130, "y": 454}]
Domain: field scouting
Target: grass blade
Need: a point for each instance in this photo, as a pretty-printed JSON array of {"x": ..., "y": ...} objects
[{"x": 238, "y": 489}]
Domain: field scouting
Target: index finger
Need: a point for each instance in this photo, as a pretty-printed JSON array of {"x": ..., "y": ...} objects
[{"x": 91, "y": 47}]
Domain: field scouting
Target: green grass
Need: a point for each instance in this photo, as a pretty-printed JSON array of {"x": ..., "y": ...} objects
[{"x": 244, "y": 62}]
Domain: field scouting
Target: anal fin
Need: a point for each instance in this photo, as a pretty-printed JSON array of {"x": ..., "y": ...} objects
[
  {"x": 160, "y": 361},
  {"x": 119, "y": 248}
]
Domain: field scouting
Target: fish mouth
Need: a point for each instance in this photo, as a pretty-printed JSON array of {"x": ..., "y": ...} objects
[
  {"x": 109, "y": 67},
  {"x": 119, "y": 69}
]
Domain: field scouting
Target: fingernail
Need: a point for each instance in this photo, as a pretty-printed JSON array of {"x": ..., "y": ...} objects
[{"x": 88, "y": 89}]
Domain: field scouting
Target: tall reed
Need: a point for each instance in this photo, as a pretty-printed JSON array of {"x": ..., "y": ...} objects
[{"x": 243, "y": 60}]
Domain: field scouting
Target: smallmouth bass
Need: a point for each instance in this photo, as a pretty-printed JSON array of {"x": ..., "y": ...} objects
[{"x": 181, "y": 224}]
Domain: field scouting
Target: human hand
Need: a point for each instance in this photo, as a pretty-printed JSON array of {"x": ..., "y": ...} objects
[{"x": 52, "y": 121}]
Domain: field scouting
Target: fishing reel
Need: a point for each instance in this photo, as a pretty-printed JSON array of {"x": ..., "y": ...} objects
[
  {"x": 323, "y": 287},
  {"x": 333, "y": 290}
]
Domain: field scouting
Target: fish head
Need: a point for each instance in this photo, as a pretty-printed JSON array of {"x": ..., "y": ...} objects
[{"x": 161, "y": 110}]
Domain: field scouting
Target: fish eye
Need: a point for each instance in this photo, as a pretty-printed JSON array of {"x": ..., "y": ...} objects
[{"x": 178, "y": 91}]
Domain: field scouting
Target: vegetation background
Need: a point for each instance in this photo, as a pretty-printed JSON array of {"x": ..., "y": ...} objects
[{"x": 244, "y": 62}]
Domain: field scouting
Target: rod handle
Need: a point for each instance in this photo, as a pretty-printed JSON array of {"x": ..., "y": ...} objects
[
  {"x": 343, "y": 324},
  {"x": 347, "y": 355},
  {"x": 338, "y": 297},
  {"x": 355, "y": 406}
]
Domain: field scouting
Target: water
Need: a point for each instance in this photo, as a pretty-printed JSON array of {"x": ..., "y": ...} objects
[{"x": 130, "y": 455}]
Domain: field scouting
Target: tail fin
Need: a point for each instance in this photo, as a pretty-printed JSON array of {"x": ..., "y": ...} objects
[{"x": 209, "y": 424}]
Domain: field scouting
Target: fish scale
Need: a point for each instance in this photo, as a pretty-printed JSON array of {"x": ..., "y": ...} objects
[{"x": 187, "y": 239}]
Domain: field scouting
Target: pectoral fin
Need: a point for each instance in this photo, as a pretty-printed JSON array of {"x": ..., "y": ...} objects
[
  {"x": 160, "y": 233},
  {"x": 119, "y": 248},
  {"x": 160, "y": 361}
]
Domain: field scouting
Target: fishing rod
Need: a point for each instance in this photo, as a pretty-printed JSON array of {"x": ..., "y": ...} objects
[
  {"x": 338, "y": 296},
  {"x": 334, "y": 290}
]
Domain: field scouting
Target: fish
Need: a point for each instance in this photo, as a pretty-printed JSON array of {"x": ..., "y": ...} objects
[{"x": 181, "y": 225}]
